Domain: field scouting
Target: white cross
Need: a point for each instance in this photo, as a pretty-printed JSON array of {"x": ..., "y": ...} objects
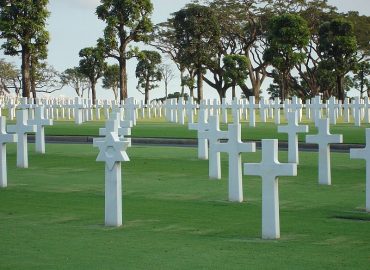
[
  {"x": 235, "y": 110},
  {"x": 21, "y": 128},
  {"x": 346, "y": 108},
  {"x": 11, "y": 109},
  {"x": 234, "y": 147},
  {"x": 252, "y": 113},
  {"x": 90, "y": 108},
  {"x": 97, "y": 109},
  {"x": 173, "y": 111},
  {"x": 190, "y": 106},
  {"x": 263, "y": 107},
  {"x": 112, "y": 152},
  {"x": 332, "y": 107},
  {"x": 215, "y": 107},
  {"x": 277, "y": 106},
  {"x": 366, "y": 110},
  {"x": 159, "y": 108},
  {"x": 106, "y": 108},
  {"x": 296, "y": 105},
  {"x": 39, "y": 121},
  {"x": 357, "y": 107},
  {"x": 245, "y": 103},
  {"x": 317, "y": 106},
  {"x": 323, "y": 139},
  {"x": 271, "y": 109},
  {"x": 4, "y": 138},
  {"x": 213, "y": 134},
  {"x": 293, "y": 128},
  {"x": 78, "y": 106},
  {"x": 270, "y": 169},
  {"x": 224, "y": 107},
  {"x": 364, "y": 154},
  {"x": 181, "y": 111},
  {"x": 130, "y": 108},
  {"x": 24, "y": 105},
  {"x": 202, "y": 125},
  {"x": 308, "y": 108},
  {"x": 55, "y": 109}
]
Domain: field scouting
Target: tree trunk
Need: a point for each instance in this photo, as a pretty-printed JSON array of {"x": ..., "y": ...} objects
[
  {"x": 284, "y": 86},
  {"x": 33, "y": 77},
  {"x": 256, "y": 79},
  {"x": 340, "y": 87},
  {"x": 191, "y": 90},
  {"x": 221, "y": 94},
  {"x": 123, "y": 79},
  {"x": 233, "y": 94},
  {"x": 200, "y": 84},
  {"x": 115, "y": 92},
  {"x": 146, "y": 97},
  {"x": 362, "y": 84},
  {"x": 93, "y": 92},
  {"x": 26, "y": 83},
  {"x": 33, "y": 88},
  {"x": 182, "y": 80},
  {"x": 166, "y": 89}
]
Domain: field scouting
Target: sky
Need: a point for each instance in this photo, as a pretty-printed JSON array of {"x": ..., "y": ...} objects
[{"x": 73, "y": 25}]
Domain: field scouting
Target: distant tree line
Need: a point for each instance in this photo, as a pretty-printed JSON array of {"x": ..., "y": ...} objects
[{"x": 305, "y": 46}]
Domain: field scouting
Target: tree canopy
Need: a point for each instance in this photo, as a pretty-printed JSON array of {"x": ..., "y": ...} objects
[
  {"x": 23, "y": 27},
  {"x": 148, "y": 72},
  {"x": 126, "y": 21}
]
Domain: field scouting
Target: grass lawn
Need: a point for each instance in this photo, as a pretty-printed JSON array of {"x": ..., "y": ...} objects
[
  {"x": 52, "y": 214},
  {"x": 159, "y": 128}
]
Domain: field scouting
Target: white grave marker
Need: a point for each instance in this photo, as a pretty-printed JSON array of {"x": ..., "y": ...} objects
[
  {"x": 270, "y": 169},
  {"x": 201, "y": 126},
  {"x": 234, "y": 147},
  {"x": 252, "y": 113},
  {"x": 21, "y": 128},
  {"x": 364, "y": 154},
  {"x": 323, "y": 139},
  {"x": 293, "y": 128},
  {"x": 4, "y": 138},
  {"x": 213, "y": 134},
  {"x": 39, "y": 121},
  {"x": 112, "y": 152}
]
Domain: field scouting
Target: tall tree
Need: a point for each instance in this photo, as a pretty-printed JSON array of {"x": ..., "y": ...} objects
[
  {"x": 337, "y": 48},
  {"x": 361, "y": 79},
  {"x": 197, "y": 35},
  {"x": 10, "y": 78},
  {"x": 127, "y": 21},
  {"x": 241, "y": 23},
  {"x": 46, "y": 79},
  {"x": 23, "y": 26},
  {"x": 236, "y": 70},
  {"x": 92, "y": 65},
  {"x": 167, "y": 76},
  {"x": 361, "y": 28},
  {"x": 111, "y": 79},
  {"x": 148, "y": 72},
  {"x": 75, "y": 79},
  {"x": 287, "y": 35},
  {"x": 314, "y": 12}
]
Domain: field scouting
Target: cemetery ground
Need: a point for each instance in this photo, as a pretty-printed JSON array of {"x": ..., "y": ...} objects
[
  {"x": 52, "y": 214},
  {"x": 159, "y": 128}
]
